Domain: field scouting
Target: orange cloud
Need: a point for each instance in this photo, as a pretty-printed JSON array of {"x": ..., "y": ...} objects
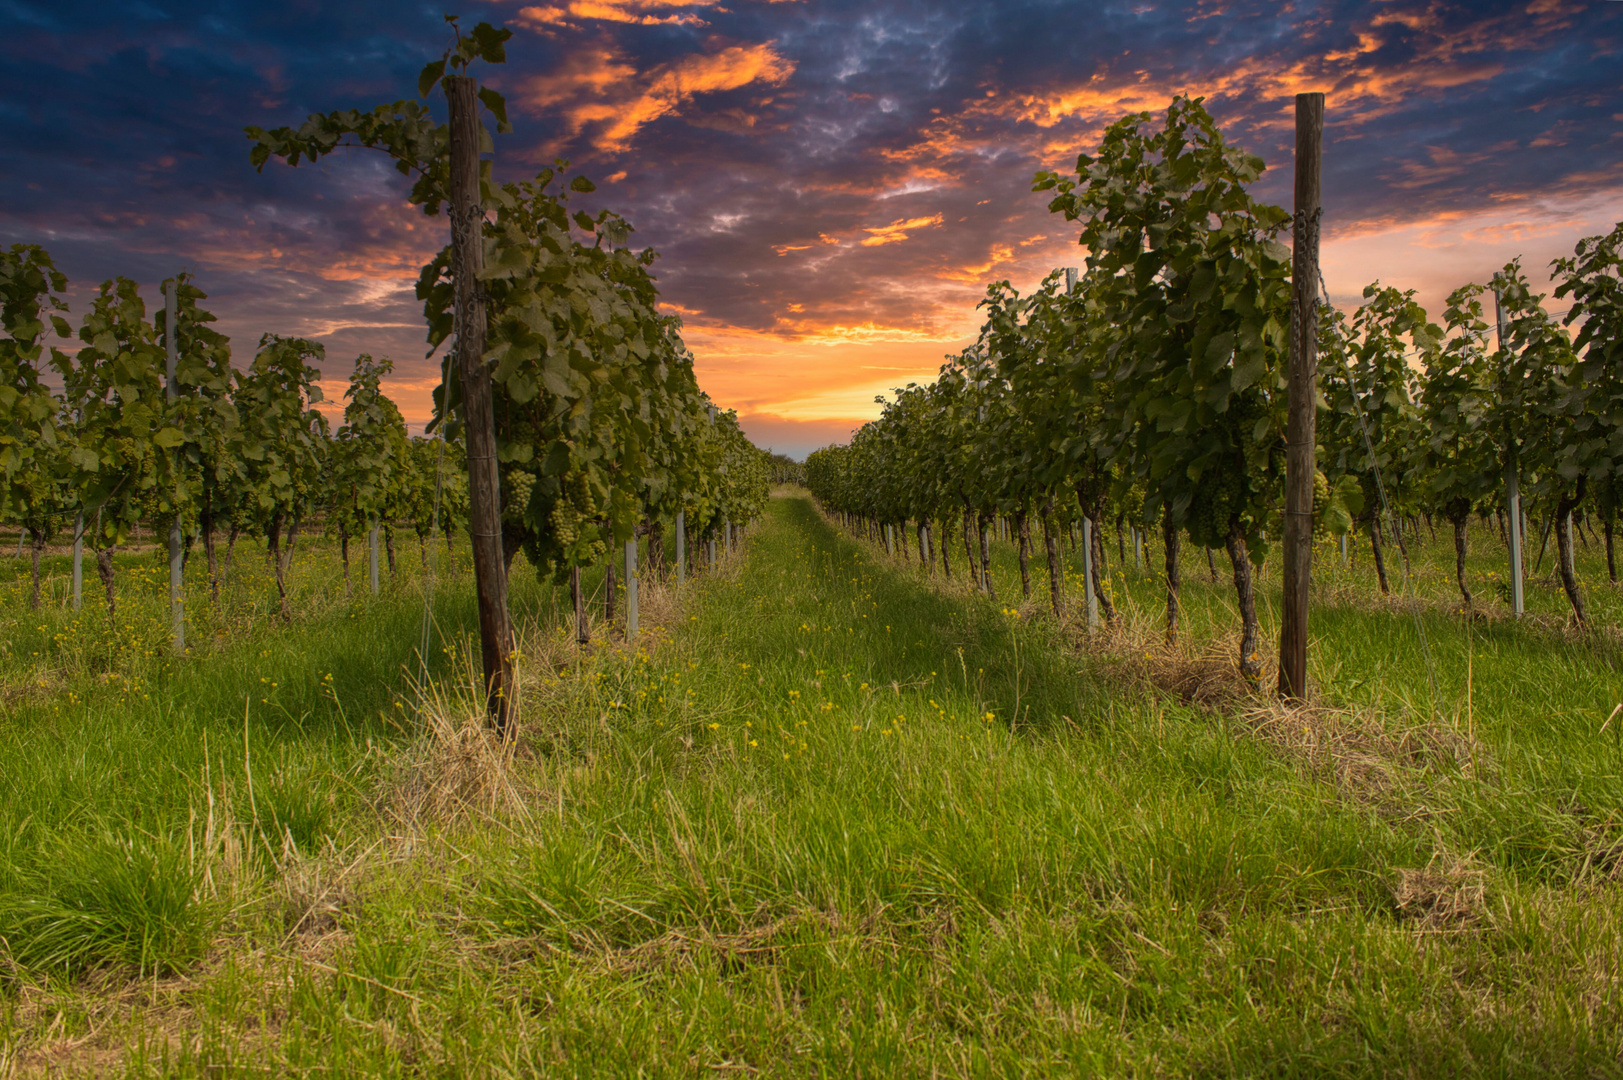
[
  {"x": 568, "y": 13},
  {"x": 897, "y": 231},
  {"x": 635, "y": 11},
  {"x": 977, "y": 275},
  {"x": 1362, "y": 84},
  {"x": 597, "y": 86}
]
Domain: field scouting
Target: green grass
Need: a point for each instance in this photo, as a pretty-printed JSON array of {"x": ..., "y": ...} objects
[{"x": 837, "y": 820}]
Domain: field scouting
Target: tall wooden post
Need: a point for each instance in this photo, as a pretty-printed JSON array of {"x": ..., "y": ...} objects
[
  {"x": 177, "y": 611},
  {"x": 372, "y": 556},
  {"x": 484, "y": 494},
  {"x": 1513, "y": 485},
  {"x": 1301, "y": 436}
]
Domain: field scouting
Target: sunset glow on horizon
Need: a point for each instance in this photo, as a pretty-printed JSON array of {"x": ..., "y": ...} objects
[{"x": 831, "y": 186}]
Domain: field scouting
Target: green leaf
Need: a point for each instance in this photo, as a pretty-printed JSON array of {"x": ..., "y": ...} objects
[
  {"x": 498, "y": 108},
  {"x": 582, "y": 185},
  {"x": 430, "y": 75},
  {"x": 489, "y": 43}
]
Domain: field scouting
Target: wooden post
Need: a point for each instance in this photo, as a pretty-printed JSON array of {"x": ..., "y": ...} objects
[
  {"x": 1138, "y": 550},
  {"x": 1513, "y": 485},
  {"x": 177, "y": 612},
  {"x": 484, "y": 493},
  {"x": 631, "y": 589},
  {"x": 372, "y": 556},
  {"x": 681, "y": 546},
  {"x": 78, "y": 557},
  {"x": 1301, "y": 417}
]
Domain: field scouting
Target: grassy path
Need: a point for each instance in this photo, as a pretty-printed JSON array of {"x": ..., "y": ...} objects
[{"x": 839, "y": 824}]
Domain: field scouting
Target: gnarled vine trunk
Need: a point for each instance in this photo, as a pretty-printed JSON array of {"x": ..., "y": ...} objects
[
  {"x": 969, "y": 550},
  {"x": 38, "y": 546},
  {"x": 1022, "y": 530},
  {"x": 583, "y": 628},
  {"x": 1460, "y": 524},
  {"x": 1173, "y": 537},
  {"x": 984, "y": 522},
  {"x": 1100, "y": 571},
  {"x": 1245, "y": 593},
  {"x": 1564, "y": 554},
  {"x": 273, "y": 551},
  {"x": 104, "y": 568},
  {"x": 656, "y": 551},
  {"x": 1051, "y": 547},
  {"x": 1380, "y": 556},
  {"x": 343, "y": 554},
  {"x": 207, "y": 524}
]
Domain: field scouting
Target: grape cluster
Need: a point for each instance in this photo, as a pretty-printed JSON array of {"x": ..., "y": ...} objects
[{"x": 516, "y": 488}]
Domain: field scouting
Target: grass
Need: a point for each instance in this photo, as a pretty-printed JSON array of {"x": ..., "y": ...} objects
[{"x": 832, "y": 818}]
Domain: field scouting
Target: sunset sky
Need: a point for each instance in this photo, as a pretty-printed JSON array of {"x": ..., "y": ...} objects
[{"x": 830, "y": 185}]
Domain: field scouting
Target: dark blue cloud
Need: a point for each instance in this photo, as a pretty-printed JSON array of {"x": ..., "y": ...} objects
[{"x": 751, "y": 135}]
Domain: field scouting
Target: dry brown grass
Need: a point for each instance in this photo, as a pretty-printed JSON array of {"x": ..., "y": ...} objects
[
  {"x": 1447, "y": 894},
  {"x": 457, "y": 765}
]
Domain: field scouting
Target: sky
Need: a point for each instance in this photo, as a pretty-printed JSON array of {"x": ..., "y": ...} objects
[{"x": 830, "y": 185}]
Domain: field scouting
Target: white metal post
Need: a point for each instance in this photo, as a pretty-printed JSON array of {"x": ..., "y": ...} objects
[
  {"x": 631, "y": 589},
  {"x": 177, "y": 614},
  {"x": 78, "y": 557},
  {"x": 681, "y": 546},
  {"x": 1513, "y": 488},
  {"x": 1087, "y": 572}
]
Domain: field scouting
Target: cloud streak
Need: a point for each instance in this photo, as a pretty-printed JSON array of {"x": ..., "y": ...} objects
[{"x": 831, "y": 185}]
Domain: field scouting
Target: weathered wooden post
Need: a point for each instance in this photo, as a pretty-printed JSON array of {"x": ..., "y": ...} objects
[
  {"x": 372, "y": 556},
  {"x": 1301, "y": 416},
  {"x": 177, "y": 611},
  {"x": 484, "y": 492},
  {"x": 1513, "y": 484}
]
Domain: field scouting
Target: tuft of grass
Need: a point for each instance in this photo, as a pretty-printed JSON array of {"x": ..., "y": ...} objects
[{"x": 132, "y": 900}]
